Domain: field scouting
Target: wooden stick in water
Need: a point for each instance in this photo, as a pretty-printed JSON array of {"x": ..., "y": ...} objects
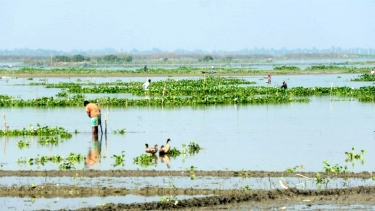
[
  {"x": 101, "y": 129},
  {"x": 5, "y": 123},
  {"x": 106, "y": 121}
]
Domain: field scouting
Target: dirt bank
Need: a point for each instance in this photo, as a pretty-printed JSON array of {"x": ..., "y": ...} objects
[
  {"x": 359, "y": 195},
  {"x": 154, "y": 173}
]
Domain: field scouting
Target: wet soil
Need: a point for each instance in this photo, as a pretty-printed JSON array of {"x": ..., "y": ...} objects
[
  {"x": 258, "y": 198},
  {"x": 154, "y": 173},
  {"x": 216, "y": 199}
]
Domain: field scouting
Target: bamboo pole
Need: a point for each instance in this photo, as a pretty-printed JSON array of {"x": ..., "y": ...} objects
[
  {"x": 106, "y": 121},
  {"x": 5, "y": 123}
]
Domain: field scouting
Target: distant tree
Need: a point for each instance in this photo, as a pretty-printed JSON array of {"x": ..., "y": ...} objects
[
  {"x": 165, "y": 59},
  {"x": 78, "y": 58},
  {"x": 128, "y": 58},
  {"x": 228, "y": 59},
  {"x": 87, "y": 59},
  {"x": 61, "y": 59},
  {"x": 207, "y": 58},
  {"x": 110, "y": 58}
]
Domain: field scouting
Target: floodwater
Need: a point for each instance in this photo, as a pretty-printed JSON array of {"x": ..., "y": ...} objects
[{"x": 234, "y": 137}]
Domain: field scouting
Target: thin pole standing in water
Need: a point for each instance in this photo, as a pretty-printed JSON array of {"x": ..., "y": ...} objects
[
  {"x": 106, "y": 121},
  {"x": 5, "y": 123},
  {"x": 101, "y": 129}
]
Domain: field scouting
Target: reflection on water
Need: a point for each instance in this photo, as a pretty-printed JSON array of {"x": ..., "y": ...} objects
[
  {"x": 94, "y": 153},
  {"x": 164, "y": 158}
]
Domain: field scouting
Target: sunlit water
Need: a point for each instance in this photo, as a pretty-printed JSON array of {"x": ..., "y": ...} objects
[{"x": 234, "y": 137}]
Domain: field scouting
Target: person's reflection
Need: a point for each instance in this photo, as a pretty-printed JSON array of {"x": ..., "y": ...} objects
[
  {"x": 93, "y": 156},
  {"x": 165, "y": 158}
]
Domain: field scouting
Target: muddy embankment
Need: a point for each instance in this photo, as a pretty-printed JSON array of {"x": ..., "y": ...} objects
[
  {"x": 215, "y": 199},
  {"x": 154, "y": 173},
  {"x": 260, "y": 198}
]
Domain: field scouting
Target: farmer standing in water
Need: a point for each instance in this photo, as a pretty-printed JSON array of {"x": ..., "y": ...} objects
[{"x": 93, "y": 112}]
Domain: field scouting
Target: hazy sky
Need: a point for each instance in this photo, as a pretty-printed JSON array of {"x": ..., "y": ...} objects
[{"x": 187, "y": 24}]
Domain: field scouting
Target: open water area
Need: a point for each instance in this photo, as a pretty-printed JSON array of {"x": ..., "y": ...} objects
[{"x": 270, "y": 137}]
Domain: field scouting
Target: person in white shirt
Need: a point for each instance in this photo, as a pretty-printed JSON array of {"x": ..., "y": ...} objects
[{"x": 146, "y": 84}]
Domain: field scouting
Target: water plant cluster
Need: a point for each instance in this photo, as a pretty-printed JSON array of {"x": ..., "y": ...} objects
[
  {"x": 204, "y": 91},
  {"x": 65, "y": 163},
  {"x": 352, "y": 157},
  {"x": 148, "y": 159},
  {"x": 364, "y": 77},
  {"x": 119, "y": 159},
  {"x": 48, "y": 141},
  {"x": 145, "y": 160},
  {"x": 39, "y": 131},
  {"x": 23, "y": 144}
]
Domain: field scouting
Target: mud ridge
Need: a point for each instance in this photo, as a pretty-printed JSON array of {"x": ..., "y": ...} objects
[
  {"x": 244, "y": 196},
  {"x": 154, "y": 173}
]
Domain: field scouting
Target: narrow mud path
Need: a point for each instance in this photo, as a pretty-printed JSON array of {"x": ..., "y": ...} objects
[
  {"x": 359, "y": 195},
  {"x": 154, "y": 173}
]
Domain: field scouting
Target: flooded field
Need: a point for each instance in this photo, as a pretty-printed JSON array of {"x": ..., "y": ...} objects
[{"x": 237, "y": 139}]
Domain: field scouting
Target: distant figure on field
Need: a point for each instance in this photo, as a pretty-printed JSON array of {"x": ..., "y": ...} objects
[
  {"x": 268, "y": 79},
  {"x": 145, "y": 68},
  {"x": 93, "y": 112},
  {"x": 284, "y": 85},
  {"x": 373, "y": 72},
  {"x": 212, "y": 69},
  {"x": 146, "y": 84}
]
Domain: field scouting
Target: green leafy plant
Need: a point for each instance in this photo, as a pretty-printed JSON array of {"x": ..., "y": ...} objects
[
  {"x": 174, "y": 152},
  {"x": 336, "y": 169},
  {"x": 246, "y": 187},
  {"x": 48, "y": 141},
  {"x": 319, "y": 180},
  {"x": 119, "y": 159},
  {"x": 294, "y": 169},
  {"x": 120, "y": 131},
  {"x": 145, "y": 160},
  {"x": 23, "y": 144},
  {"x": 192, "y": 172}
]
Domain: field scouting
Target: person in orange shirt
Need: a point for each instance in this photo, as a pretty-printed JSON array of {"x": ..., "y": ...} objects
[{"x": 93, "y": 112}]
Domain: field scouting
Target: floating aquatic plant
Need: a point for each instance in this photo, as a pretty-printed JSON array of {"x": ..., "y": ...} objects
[
  {"x": 23, "y": 144},
  {"x": 119, "y": 159},
  {"x": 145, "y": 160}
]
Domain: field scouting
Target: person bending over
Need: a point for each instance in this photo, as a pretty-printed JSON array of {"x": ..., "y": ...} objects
[
  {"x": 284, "y": 86},
  {"x": 93, "y": 112}
]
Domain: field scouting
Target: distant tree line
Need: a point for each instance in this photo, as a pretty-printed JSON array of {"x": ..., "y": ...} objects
[
  {"x": 74, "y": 58},
  {"x": 79, "y": 58}
]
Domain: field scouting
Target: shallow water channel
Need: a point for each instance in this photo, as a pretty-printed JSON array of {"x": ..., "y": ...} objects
[{"x": 233, "y": 137}]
